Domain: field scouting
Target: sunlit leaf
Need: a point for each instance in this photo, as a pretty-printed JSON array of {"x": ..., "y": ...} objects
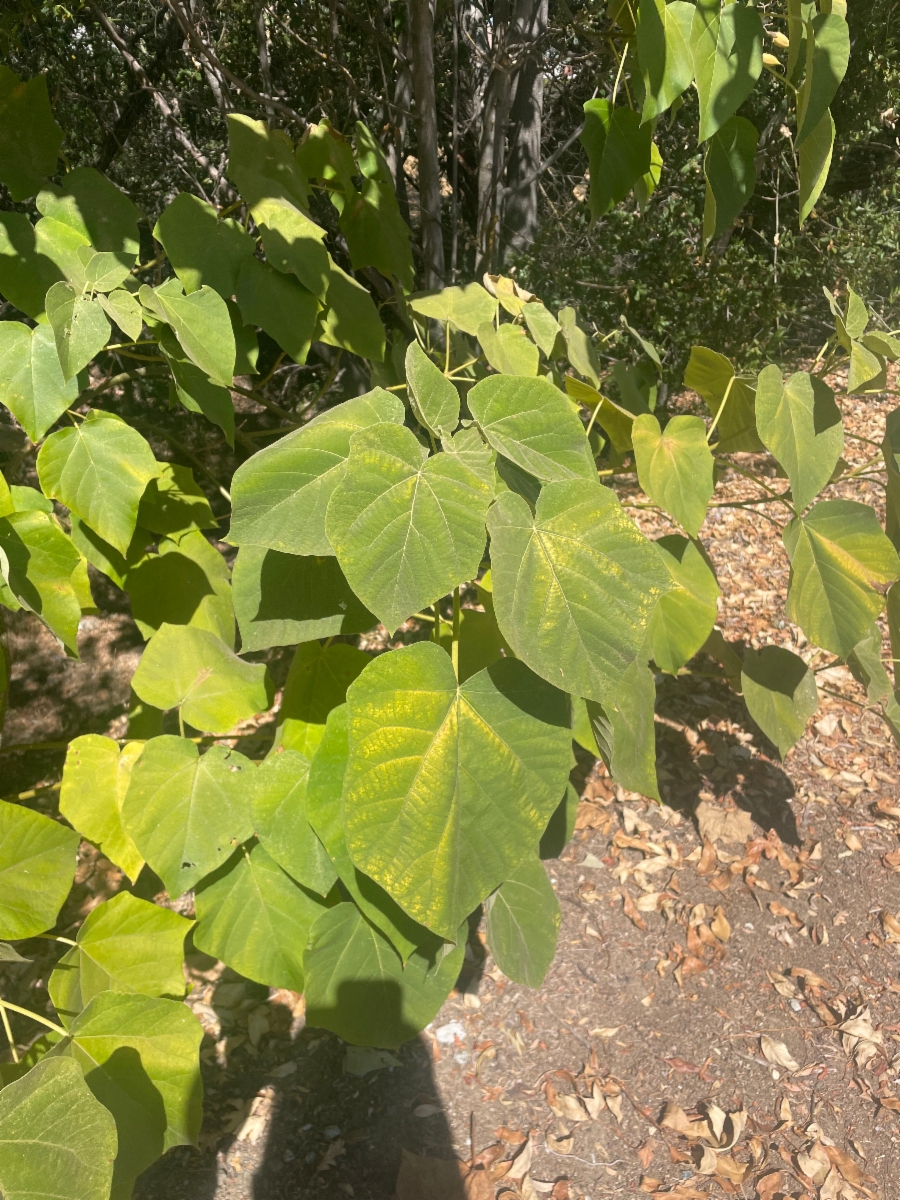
[
  {"x": 281, "y": 824},
  {"x": 780, "y": 694},
  {"x": 186, "y": 583},
  {"x": 618, "y": 149},
  {"x": 685, "y": 615},
  {"x": 827, "y": 56},
  {"x": 434, "y": 399},
  {"x": 37, "y": 862},
  {"x": 279, "y": 304},
  {"x": 79, "y": 326},
  {"x": 675, "y": 467},
  {"x": 508, "y": 349},
  {"x": 625, "y": 733},
  {"x": 202, "y": 248},
  {"x": 726, "y": 46},
  {"x": 800, "y": 424},
  {"x": 664, "y": 53},
  {"x": 522, "y": 923},
  {"x": 317, "y": 682},
  {"x": 31, "y": 379},
  {"x": 37, "y": 562},
  {"x": 95, "y": 779},
  {"x": 466, "y": 307}
]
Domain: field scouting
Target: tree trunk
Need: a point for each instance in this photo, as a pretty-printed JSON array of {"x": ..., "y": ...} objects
[
  {"x": 520, "y": 213},
  {"x": 492, "y": 147},
  {"x": 421, "y": 22}
]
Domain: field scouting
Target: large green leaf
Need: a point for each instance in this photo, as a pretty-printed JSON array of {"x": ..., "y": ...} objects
[
  {"x": 780, "y": 694},
  {"x": 202, "y": 325},
  {"x": 684, "y": 616},
  {"x": 726, "y": 46},
  {"x": 713, "y": 377},
  {"x": 800, "y": 424},
  {"x": 281, "y": 824},
  {"x": 29, "y": 136},
  {"x": 619, "y": 152},
  {"x": 99, "y": 470},
  {"x": 124, "y": 945},
  {"x": 282, "y": 599},
  {"x": 466, "y": 307},
  {"x": 625, "y": 733},
  {"x": 256, "y": 919},
  {"x": 675, "y": 467},
  {"x": 261, "y": 161},
  {"x": 56, "y": 1140},
  {"x": 174, "y": 502},
  {"x": 317, "y": 682},
  {"x": 351, "y": 320},
  {"x": 37, "y": 562},
  {"x": 815, "y": 163},
  {"x": 186, "y": 583},
  {"x": 615, "y": 421},
  {"x": 31, "y": 380},
  {"x": 664, "y": 53},
  {"x": 193, "y": 387},
  {"x": 434, "y": 399},
  {"x": 139, "y": 1056},
  {"x": 26, "y": 272},
  {"x": 729, "y": 167},
  {"x": 79, "y": 326},
  {"x": 480, "y": 641},
  {"x": 575, "y": 585},
  {"x": 37, "y": 862},
  {"x": 508, "y": 349},
  {"x": 406, "y": 528},
  {"x": 865, "y": 663},
  {"x": 192, "y": 668},
  {"x": 66, "y": 247},
  {"x": 187, "y": 812},
  {"x": 448, "y": 786},
  {"x": 294, "y": 243},
  {"x": 357, "y": 986},
  {"x": 838, "y": 552},
  {"x": 279, "y": 304},
  {"x": 522, "y": 923},
  {"x": 543, "y": 327},
  {"x": 323, "y": 808},
  {"x": 93, "y": 207},
  {"x": 201, "y": 248},
  {"x": 532, "y": 423},
  {"x": 280, "y": 495},
  {"x": 827, "y": 56},
  {"x": 95, "y": 780}
]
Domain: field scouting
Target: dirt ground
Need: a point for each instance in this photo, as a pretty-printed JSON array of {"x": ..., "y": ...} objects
[{"x": 723, "y": 1014}]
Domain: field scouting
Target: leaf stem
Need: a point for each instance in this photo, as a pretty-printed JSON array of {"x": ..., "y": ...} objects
[
  {"x": 712, "y": 428},
  {"x": 26, "y": 1012},
  {"x": 55, "y": 937},
  {"x": 590, "y": 424},
  {"x": 9, "y": 1037},
  {"x": 454, "y": 645}
]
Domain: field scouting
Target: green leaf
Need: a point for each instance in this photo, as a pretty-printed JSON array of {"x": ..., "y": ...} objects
[
  {"x": 726, "y": 47},
  {"x": 323, "y": 809},
  {"x": 351, "y": 320},
  {"x": 293, "y": 244},
  {"x": 194, "y": 389},
  {"x": 574, "y": 586},
  {"x": 79, "y": 325},
  {"x": 780, "y": 694},
  {"x": 837, "y": 551},
  {"x": 174, "y": 502},
  {"x": 186, "y": 583},
  {"x": 434, "y": 399},
  {"x": 37, "y": 561},
  {"x": 139, "y": 1056},
  {"x": 281, "y": 824},
  {"x": 827, "y": 56},
  {"x": 95, "y": 780},
  {"x": 466, "y": 307},
  {"x": 377, "y": 236},
  {"x": 685, "y": 615},
  {"x": 103, "y": 556},
  {"x": 480, "y": 641},
  {"x": 522, "y": 923},
  {"x": 625, "y": 733},
  {"x": 532, "y": 423},
  {"x": 664, "y": 53},
  {"x": 618, "y": 150},
  {"x": 201, "y": 248},
  {"x": 187, "y": 812},
  {"x": 282, "y": 599},
  {"x": 55, "y": 1138},
  {"x": 357, "y": 986},
  {"x": 406, "y": 529},
  {"x": 866, "y": 665},
  {"x": 712, "y": 376},
  {"x": 543, "y": 327},
  {"x": 675, "y": 467},
  {"x": 448, "y": 786},
  {"x": 800, "y": 424},
  {"x": 124, "y": 945},
  {"x": 123, "y": 308},
  {"x": 867, "y": 370},
  {"x": 561, "y": 826},
  {"x": 103, "y": 272},
  {"x": 29, "y": 136},
  {"x": 254, "y": 918},
  {"x": 99, "y": 470},
  {"x": 317, "y": 682},
  {"x": 729, "y": 167},
  {"x": 8, "y": 954},
  {"x": 37, "y": 862},
  {"x": 93, "y": 207},
  {"x": 31, "y": 379},
  {"x": 202, "y": 325},
  {"x": 509, "y": 349},
  {"x": 615, "y": 421},
  {"x": 279, "y": 496},
  {"x": 191, "y": 668},
  {"x": 815, "y": 163},
  {"x": 278, "y": 304},
  {"x": 26, "y": 271},
  {"x": 261, "y": 162}
]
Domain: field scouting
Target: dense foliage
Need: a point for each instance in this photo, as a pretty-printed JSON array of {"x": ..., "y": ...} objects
[{"x": 461, "y": 511}]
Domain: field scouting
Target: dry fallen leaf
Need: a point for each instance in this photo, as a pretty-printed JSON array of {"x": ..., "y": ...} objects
[
  {"x": 719, "y": 925},
  {"x": 722, "y": 824},
  {"x": 777, "y": 1053},
  {"x": 558, "y": 1144},
  {"x": 768, "y": 1185}
]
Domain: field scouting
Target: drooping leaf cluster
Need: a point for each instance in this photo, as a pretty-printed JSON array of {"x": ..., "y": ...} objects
[{"x": 462, "y": 503}]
